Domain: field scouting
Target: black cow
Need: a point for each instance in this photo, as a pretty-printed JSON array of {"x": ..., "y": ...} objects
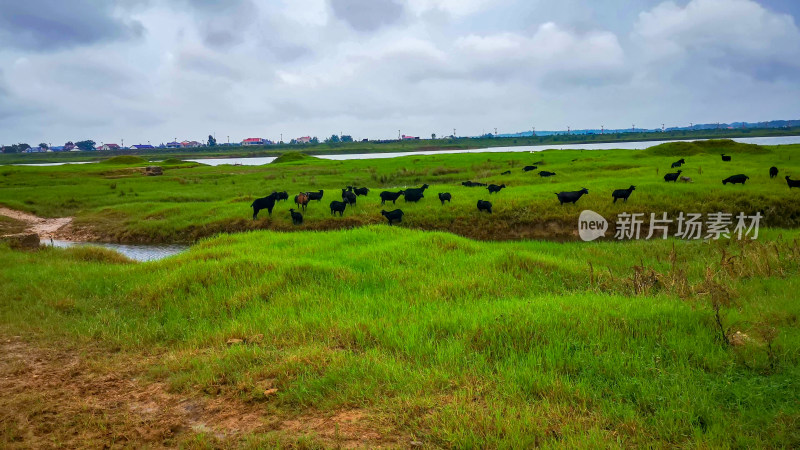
[
  {"x": 545, "y": 173},
  {"x": 725, "y": 157},
  {"x": 529, "y": 168},
  {"x": 495, "y": 188},
  {"x": 393, "y": 216},
  {"x": 672, "y": 176},
  {"x": 267, "y": 203},
  {"x": 792, "y": 183},
  {"x": 387, "y": 195},
  {"x": 297, "y": 218},
  {"x": 571, "y": 197},
  {"x": 623, "y": 194},
  {"x": 484, "y": 206},
  {"x": 678, "y": 163},
  {"x": 281, "y": 196},
  {"x": 507, "y": 172},
  {"x": 444, "y": 196},
  {"x": 349, "y": 197},
  {"x": 736, "y": 179},
  {"x": 773, "y": 172},
  {"x": 338, "y": 207},
  {"x": 316, "y": 195}
]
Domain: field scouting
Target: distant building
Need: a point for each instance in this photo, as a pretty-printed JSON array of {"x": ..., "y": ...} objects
[
  {"x": 190, "y": 144},
  {"x": 253, "y": 141},
  {"x": 109, "y": 147},
  {"x": 303, "y": 140},
  {"x": 410, "y": 137},
  {"x": 141, "y": 147},
  {"x": 174, "y": 144}
]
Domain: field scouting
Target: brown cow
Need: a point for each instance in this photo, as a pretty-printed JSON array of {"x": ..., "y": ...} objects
[{"x": 301, "y": 200}]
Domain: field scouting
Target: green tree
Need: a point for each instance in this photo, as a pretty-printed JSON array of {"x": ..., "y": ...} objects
[
  {"x": 314, "y": 140},
  {"x": 334, "y": 139},
  {"x": 85, "y": 145},
  {"x": 347, "y": 138},
  {"x": 433, "y": 135},
  {"x": 44, "y": 146},
  {"x": 211, "y": 141}
]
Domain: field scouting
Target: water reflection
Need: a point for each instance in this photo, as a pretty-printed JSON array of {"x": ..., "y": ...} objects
[{"x": 135, "y": 252}]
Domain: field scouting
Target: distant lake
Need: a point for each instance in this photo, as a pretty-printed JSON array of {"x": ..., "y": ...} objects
[{"x": 638, "y": 145}]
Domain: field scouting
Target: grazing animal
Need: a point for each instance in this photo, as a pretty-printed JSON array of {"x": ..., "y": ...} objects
[
  {"x": 281, "y": 196},
  {"x": 529, "y": 168},
  {"x": 495, "y": 188},
  {"x": 414, "y": 191},
  {"x": 678, "y": 163},
  {"x": 545, "y": 173},
  {"x": 538, "y": 163},
  {"x": 316, "y": 195},
  {"x": 736, "y": 179},
  {"x": 297, "y": 218},
  {"x": 338, "y": 207},
  {"x": 358, "y": 191},
  {"x": 444, "y": 196},
  {"x": 301, "y": 200},
  {"x": 686, "y": 180},
  {"x": 349, "y": 197},
  {"x": 267, "y": 203},
  {"x": 507, "y": 172},
  {"x": 571, "y": 197},
  {"x": 484, "y": 206},
  {"x": 387, "y": 195},
  {"x": 413, "y": 196},
  {"x": 773, "y": 172},
  {"x": 623, "y": 194},
  {"x": 672, "y": 176},
  {"x": 472, "y": 184},
  {"x": 792, "y": 183},
  {"x": 725, "y": 157},
  {"x": 393, "y": 216}
]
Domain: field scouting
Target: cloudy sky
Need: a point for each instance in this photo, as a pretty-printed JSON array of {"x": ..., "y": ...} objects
[{"x": 154, "y": 70}]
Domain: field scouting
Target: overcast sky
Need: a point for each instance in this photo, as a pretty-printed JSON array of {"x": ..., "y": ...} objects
[{"x": 154, "y": 70}]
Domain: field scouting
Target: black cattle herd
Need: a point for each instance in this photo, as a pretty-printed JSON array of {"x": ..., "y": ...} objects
[{"x": 350, "y": 194}]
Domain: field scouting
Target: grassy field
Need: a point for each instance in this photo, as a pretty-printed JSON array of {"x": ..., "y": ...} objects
[
  {"x": 115, "y": 202},
  {"x": 392, "y": 336}
]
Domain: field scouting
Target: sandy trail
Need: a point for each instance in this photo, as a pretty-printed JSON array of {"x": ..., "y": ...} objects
[{"x": 44, "y": 227}]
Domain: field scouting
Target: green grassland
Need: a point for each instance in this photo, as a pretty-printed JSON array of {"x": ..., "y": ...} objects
[
  {"x": 116, "y": 202},
  {"x": 452, "y": 342}
]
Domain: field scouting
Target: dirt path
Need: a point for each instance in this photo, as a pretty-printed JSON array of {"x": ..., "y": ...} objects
[
  {"x": 44, "y": 227},
  {"x": 92, "y": 399}
]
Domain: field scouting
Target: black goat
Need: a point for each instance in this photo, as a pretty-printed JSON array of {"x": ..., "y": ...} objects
[
  {"x": 792, "y": 183},
  {"x": 316, "y": 195},
  {"x": 387, "y": 195},
  {"x": 678, "y": 163},
  {"x": 414, "y": 191},
  {"x": 444, "y": 196},
  {"x": 736, "y": 179},
  {"x": 672, "y": 176},
  {"x": 495, "y": 188},
  {"x": 358, "y": 191},
  {"x": 507, "y": 172},
  {"x": 413, "y": 196},
  {"x": 623, "y": 194},
  {"x": 393, "y": 216},
  {"x": 484, "y": 206},
  {"x": 529, "y": 168},
  {"x": 297, "y": 218},
  {"x": 267, "y": 203},
  {"x": 472, "y": 184},
  {"x": 725, "y": 157},
  {"x": 571, "y": 197},
  {"x": 545, "y": 173},
  {"x": 773, "y": 172},
  {"x": 338, "y": 207},
  {"x": 281, "y": 196},
  {"x": 349, "y": 197}
]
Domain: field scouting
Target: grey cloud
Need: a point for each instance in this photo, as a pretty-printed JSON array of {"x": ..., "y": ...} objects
[
  {"x": 47, "y": 25},
  {"x": 367, "y": 15}
]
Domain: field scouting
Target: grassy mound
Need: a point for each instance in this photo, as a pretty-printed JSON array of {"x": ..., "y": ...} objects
[
  {"x": 125, "y": 159},
  {"x": 293, "y": 157},
  {"x": 172, "y": 161},
  {"x": 704, "y": 147}
]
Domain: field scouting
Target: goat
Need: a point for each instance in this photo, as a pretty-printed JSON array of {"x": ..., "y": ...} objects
[
  {"x": 393, "y": 216},
  {"x": 349, "y": 197},
  {"x": 297, "y": 218},
  {"x": 507, "y": 172},
  {"x": 358, "y": 191},
  {"x": 678, "y": 163},
  {"x": 387, "y": 195},
  {"x": 725, "y": 157},
  {"x": 472, "y": 184},
  {"x": 484, "y": 206},
  {"x": 338, "y": 207},
  {"x": 495, "y": 188},
  {"x": 736, "y": 179},
  {"x": 281, "y": 196},
  {"x": 413, "y": 196},
  {"x": 571, "y": 197},
  {"x": 545, "y": 173},
  {"x": 623, "y": 194},
  {"x": 792, "y": 183},
  {"x": 414, "y": 191},
  {"x": 529, "y": 168},
  {"x": 672, "y": 176},
  {"x": 444, "y": 196},
  {"x": 316, "y": 195},
  {"x": 773, "y": 172},
  {"x": 267, "y": 203},
  {"x": 301, "y": 200}
]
